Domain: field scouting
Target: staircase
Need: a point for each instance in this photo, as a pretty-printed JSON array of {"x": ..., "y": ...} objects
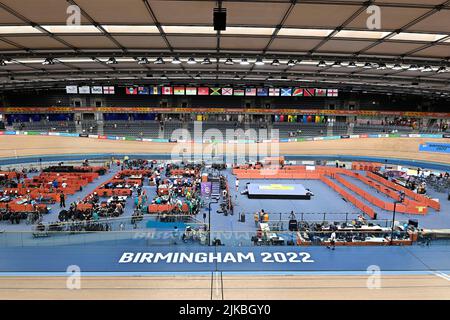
[
  {"x": 215, "y": 188},
  {"x": 330, "y": 126}
]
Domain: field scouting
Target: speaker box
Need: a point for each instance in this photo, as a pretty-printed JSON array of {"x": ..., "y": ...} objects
[{"x": 220, "y": 19}]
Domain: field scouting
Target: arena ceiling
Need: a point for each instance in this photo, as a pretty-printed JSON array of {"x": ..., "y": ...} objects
[{"x": 304, "y": 43}]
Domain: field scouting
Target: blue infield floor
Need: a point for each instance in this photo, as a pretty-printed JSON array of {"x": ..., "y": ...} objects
[{"x": 236, "y": 259}]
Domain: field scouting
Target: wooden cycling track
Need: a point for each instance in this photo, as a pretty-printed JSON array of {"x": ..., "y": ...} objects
[
  {"x": 234, "y": 286},
  {"x": 399, "y": 148}
]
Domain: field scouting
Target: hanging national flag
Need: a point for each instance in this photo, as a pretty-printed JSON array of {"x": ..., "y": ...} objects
[
  {"x": 97, "y": 90},
  {"x": 227, "y": 91},
  {"x": 203, "y": 91},
  {"x": 332, "y": 92},
  {"x": 143, "y": 90},
  {"x": 239, "y": 92},
  {"x": 84, "y": 90},
  {"x": 215, "y": 91},
  {"x": 71, "y": 89},
  {"x": 178, "y": 91},
  {"x": 262, "y": 92},
  {"x": 108, "y": 90},
  {"x": 131, "y": 90},
  {"x": 250, "y": 91},
  {"x": 298, "y": 92},
  {"x": 167, "y": 90},
  {"x": 274, "y": 92},
  {"x": 286, "y": 92},
  {"x": 321, "y": 92},
  {"x": 308, "y": 92},
  {"x": 155, "y": 90},
  {"x": 191, "y": 91}
]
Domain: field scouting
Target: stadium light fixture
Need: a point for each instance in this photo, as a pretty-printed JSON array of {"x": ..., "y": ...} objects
[
  {"x": 381, "y": 66},
  {"x": 143, "y": 61},
  {"x": 198, "y": 77},
  {"x": 236, "y": 77},
  {"x": 275, "y": 62},
  {"x": 336, "y": 64},
  {"x": 397, "y": 67},
  {"x": 352, "y": 64},
  {"x": 427, "y": 69},
  {"x": 291, "y": 63},
  {"x": 159, "y": 61},
  {"x": 48, "y": 61},
  {"x": 229, "y": 61},
  {"x": 191, "y": 61},
  {"x": 2, "y": 63},
  {"x": 367, "y": 65},
  {"x": 164, "y": 77},
  {"x": 244, "y": 62},
  {"x": 321, "y": 64},
  {"x": 111, "y": 60},
  {"x": 206, "y": 61},
  {"x": 259, "y": 62},
  {"x": 176, "y": 60},
  {"x": 442, "y": 69},
  {"x": 413, "y": 67}
]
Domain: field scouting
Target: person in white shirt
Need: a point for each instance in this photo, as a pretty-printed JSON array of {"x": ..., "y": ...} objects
[
  {"x": 332, "y": 240},
  {"x": 237, "y": 185}
]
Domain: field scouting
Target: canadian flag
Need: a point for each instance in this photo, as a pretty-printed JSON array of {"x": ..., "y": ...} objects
[{"x": 167, "y": 90}]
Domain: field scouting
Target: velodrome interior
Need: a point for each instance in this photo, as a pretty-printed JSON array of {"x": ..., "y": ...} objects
[{"x": 314, "y": 166}]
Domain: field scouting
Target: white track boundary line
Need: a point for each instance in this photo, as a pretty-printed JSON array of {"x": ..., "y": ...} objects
[{"x": 441, "y": 275}]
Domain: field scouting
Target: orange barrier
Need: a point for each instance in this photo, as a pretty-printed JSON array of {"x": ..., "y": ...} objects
[
  {"x": 418, "y": 197},
  {"x": 359, "y": 204},
  {"x": 160, "y": 208},
  {"x": 385, "y": 190},
  {"x": 84, "y": 206},
  {"x": 379, "y": 203},
  {"x": 366, "y": 166},
  {"x": 113, "y": 192}
]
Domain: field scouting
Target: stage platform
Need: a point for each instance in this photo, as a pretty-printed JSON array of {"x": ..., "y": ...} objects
[{"x": 277, "y": 191}]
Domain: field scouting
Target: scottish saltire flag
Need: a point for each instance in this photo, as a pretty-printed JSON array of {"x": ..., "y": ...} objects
[
  {"x": 321, "y": 92},
  {"x": 108, "y": 90},
  {"x": 155, "y": 90},
  {"x": 215, "y": 91},
  {"x": 203, "y": 91},
  {"x": 143, "y": 90},
  {"x": 167, "y": 90},
  {"x": 191, "y": 91},
  {"x": 239, "y": 92},
  {"x": 179, "y": 91},
  {"x": 71, "y": 89},
  {"x": 262, "y": 92},
  {"x": 286, "y": 92},
  {"x": 298, "y": 92},
  {"x": 308, "y": 92},
  {"x": 274, "y": 92},
  {"x": 250, "y": 91},
  {"x": 227, "y": 91},
  {"x": 332, "y": 92},
  {"x": 96, "y": 90},
  {"x": 131, "y": 90}
]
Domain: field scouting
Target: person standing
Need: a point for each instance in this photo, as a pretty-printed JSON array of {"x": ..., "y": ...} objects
[
  {"x": 256, "y": 218},
  {"x": 62, "y": 200},
  {"x": 332, "y": 240}
]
